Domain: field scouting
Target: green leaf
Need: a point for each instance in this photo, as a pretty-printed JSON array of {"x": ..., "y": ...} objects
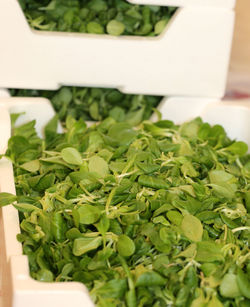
[
  {"x": 238, "y": 148},
  {"x": 214, "y": 302},
  {"x": 189, "y": 252},
  {"x": 219, "y": 176},
  {"x": 223, "y": 183},
  {"x": 94, "y": 111},
  {"x": 188, "y": 170},
  {"x": 18, "y": 144},
  {"x": 71, "y": 156},
  {"x": 88, "y": 214},
  {"x": 117, "y": 113},
  {"x": 115, "y": 27},
  {"x": 45, "y": 182},
  {"x": 125, "y": 246},
  {"x": 50, "y": 129},
  {"x": 103, "y": 225},
  {"x": 114, "y": 288},
  {"x": 44, "y": 275},
  {"x": 148, "y": 279},
  {"x": 229, "y": 287},
  {"x": 153, "y": 182},
  {"x": 223, "y": 190},
  {"x": 7, "y": 199},
  {"x": 32, "y": 166},
  {"x": 175, "y": 217},
  {"x": 122, "y": 133},
  {"x": 160, "y": 26},
  {"x": 190, "y": 129},
  {"x": 192, "y": 228},
  {"x": 26, "y": 207},
  {"x": 200, "y": 300},
  {"x": 95, "y": 28},
  {"x": 204, "y": 131},
  {"x": 243, "y": 282},
  {"x": 209, "y": 252},
  {"x": 98, "y": 165},
  {"x": 160, "y": 220},
  {"x": 97, "y": 5},
  {"x": 67, "y": 269},
  {"x": 83, "y": 245}
]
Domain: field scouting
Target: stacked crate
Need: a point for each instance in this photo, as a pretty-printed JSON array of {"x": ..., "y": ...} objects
[{"x": 188, "y": 63}]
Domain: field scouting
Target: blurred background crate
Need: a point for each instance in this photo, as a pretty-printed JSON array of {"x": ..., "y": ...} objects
[{"x": 239, "y": 74}]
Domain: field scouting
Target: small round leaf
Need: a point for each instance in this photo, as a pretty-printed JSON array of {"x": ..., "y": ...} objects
[
  {"x": 125, "y": 246},
  {"x": 192, "y": 228},
  {"x": 115, "y": 27},
  {"x": 71, "y": 156}
]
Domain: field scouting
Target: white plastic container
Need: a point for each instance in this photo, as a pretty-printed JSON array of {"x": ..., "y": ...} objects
[
  {"x": 20, "y": 290},
  {"x": 201, "y": 3},
  {"x": 190, "y": 58}
]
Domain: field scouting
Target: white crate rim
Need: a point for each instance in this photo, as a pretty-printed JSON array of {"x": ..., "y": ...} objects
[
  {"x": 194, "y": 64},
  {"x": 183, "y": 3},
  {"x": 62, "y": 294}
]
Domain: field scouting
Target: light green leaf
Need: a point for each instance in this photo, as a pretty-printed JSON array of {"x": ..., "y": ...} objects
[
  {"x": 223, "y": 183},
  {"x": 223, "y": 190},
  {"x": 71, "y": 156},
  {"x": 189, "y": 252},
  {"x": 229, "y": 287},
  {"x": 83, "y": 245},
  {"x": 219, "y": 176},
  {"x": 192, "y": 228},
  {"x": 148, "y": 279},
  {"x": 188, "y": 169},
  {"x": 95, "y": 28},
  {"x": 26, "y": 207},
  {"x": 44, "y": 275},
  {"x": 238, "y": 148},
  {"x": 160, "y": 220},
  {"x": 7, "y": 199},
  {"x": 103, "y": 225},
  {"x": 31, "y": 166},
  {"x": 214, "y": 302},
  {"x": 125, "y": 246},
  {"x": 160, "y": 26},
  {"x": 88, "y": 214},
  {"x": 115, "y": 27},
  {"x": 208, "y": 251},
  {"x": 98, "y": 165}
]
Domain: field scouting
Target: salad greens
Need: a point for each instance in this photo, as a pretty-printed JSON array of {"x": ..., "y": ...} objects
[
  {"x": 96, "y": 103},
  {"x": 156, "y": 215},
  {"x": 114, "y": 17}
]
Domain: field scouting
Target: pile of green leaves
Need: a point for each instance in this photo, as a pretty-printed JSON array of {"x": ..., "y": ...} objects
[
  {"x": 114, "y": 17},
  {"x": 152, "y": 216},
  {"x": 96, "y": 103}
]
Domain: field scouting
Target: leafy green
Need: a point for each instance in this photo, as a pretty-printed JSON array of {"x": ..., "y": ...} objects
[
  {"x": 71, "y": 156},
  {"x": 156, "y": 215},
  {"x": 88, "y": 214},
  {"x": 192, "y": 228},
  {"x": 115, "y": 17},
  {"x": 94, "y": 104},
  {"x": 115, "y": 27},
  {"x": 125, "y": 246},
  {"x": 7, "y": 199}
]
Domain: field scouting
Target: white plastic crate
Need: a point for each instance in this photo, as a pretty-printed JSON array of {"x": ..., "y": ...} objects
[
  {"x": 20, "y": 290},
  {"x": 190, "y": 58},
  {"x": 201, "y": 3},
  {"x": 4, "y": 93}
]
